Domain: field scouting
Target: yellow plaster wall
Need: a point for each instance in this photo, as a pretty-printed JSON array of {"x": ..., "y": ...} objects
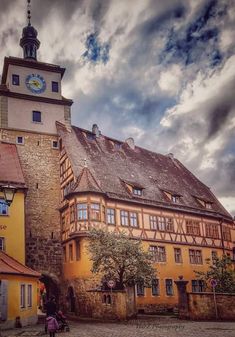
[
  {"x": 13, "y": 296},
  {"x": 13, "y": 230}
]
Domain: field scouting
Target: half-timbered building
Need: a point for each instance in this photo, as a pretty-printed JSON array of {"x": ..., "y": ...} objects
[{"x": 106, "y": 183}]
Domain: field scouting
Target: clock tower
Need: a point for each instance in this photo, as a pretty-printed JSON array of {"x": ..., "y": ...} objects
[{"x": 31, "y": 103}]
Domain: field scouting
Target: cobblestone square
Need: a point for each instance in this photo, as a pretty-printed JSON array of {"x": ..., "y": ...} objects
[{"x": 149, "y": 326}]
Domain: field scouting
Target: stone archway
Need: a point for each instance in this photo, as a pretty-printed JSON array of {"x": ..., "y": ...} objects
[{"x": 51, "y": 284}]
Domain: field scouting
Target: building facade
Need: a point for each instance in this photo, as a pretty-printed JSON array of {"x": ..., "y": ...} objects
[
  {"x": 79, "y": 179},
  {"x": 18, "y": 283}
]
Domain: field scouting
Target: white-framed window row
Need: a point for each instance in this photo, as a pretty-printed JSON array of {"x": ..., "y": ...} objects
[{"x": 26, "y": 296}]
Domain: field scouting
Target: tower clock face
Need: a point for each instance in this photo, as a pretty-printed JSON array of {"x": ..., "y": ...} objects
[{"x": 35, "y": 83}]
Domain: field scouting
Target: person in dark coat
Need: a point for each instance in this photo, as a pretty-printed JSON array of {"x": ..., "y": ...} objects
[{"x": 50, "y": 309}]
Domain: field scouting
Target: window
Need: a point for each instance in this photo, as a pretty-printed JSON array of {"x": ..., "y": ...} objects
[
  {"x": 175, "y": 198},
  {"x": 198, "y": 286},
  {"x": 137, "y": 191},
  {"x": 178, "y": 255},
  {"x": 165, "y": 224},
  {"x": 158, "y": 253},
  {"x": 212, "y": 230},
  {"x": 192, "y": 227},
  {"x": 208, "y": 205},
  {"x": 15, "y": 79},
  {"x": 77, "y": 243},
  {"x": 72, "y": 213},
  {"x": 133, "y": 219},
  {"x": 95, "y": 212},
  {"x": 214, "y": 256},
  {"x": 124, "y": 218},
  {"x": 140, "y": 288},
  {"x": 169, "y": 287},
  {"x": 3, "y": 207},
  {"x": 195, "y": 256},
  {"x": 226, "y": 234},
  {"x": 54, "y": 86},
  {"x": 22, "y": 295},
  {"x": 155, "y": 287},
  {"x": 29, "y": 295},
  {"x": 153, "y": 221},
  {"x": 20, "y": 140},
  {"x": 70, "y": 252},
  {"x": 82, "y": 211},
  {"x": 2, "y": 243},
  {"x": 37, "y": 116},
  {"x": 55, "y": 144},
  {"x": 111, "y": 216}
]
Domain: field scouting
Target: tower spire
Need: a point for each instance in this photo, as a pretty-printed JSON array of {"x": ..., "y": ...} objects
[
  {"x": 29, "y": 41},
  {"x": 29, "y": 12}
]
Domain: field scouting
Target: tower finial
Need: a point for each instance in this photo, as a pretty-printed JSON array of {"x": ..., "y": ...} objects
[
  {"x": 29, "y": 41},
  {"x": 29, "y": 12}
]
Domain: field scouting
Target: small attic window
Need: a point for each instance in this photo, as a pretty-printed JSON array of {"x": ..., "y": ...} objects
[
  {"x": 90, "y": 136},
  {"x": 137, "y": 191},
  {"x": 175, "y": 198},
  {"x": 208, "y": 205}
]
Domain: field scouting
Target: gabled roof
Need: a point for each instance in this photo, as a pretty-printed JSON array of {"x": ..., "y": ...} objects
[
  {"x": 110, "y": 165},
  {"x": 10, "y": 168},
  {"x": 10, "y": 266},
  {"x": 86, "y": 182}
]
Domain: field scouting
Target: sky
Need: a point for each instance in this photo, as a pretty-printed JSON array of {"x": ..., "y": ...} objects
[{"x": 162, "y": 72}]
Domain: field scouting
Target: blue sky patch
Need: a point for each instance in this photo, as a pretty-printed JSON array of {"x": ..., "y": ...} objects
[{"x": 96, "y": 51}]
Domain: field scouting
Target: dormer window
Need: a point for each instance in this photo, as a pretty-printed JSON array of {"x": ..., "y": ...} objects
[
  {"x": 137, "y": 191},
  {"x": 175, "y": 198},
  {"x": 208, "y": 205},
  {"x": 205, "y": 203}
]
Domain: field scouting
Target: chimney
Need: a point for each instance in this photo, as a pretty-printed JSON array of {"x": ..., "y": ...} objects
[
  {"x": 130, "y": 142},
  {"x": 170, "y": 155},
  {"x": 95, "y": 130}
]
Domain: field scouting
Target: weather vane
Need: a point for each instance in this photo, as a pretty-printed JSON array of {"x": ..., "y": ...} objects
[{"x": 29, "y": 11}]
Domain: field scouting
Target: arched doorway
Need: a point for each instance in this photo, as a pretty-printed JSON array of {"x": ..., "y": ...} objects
[
  {"x": 71, "y": 300},
  {"x": 49, "y": 286}
]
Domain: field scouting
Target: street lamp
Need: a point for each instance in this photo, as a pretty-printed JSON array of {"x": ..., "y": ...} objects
[{"x": 9, "y": 193}]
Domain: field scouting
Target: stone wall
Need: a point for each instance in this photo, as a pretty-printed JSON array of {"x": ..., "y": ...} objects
[
  {"x": 40, "y": 165},
  {"x": 112, "y": 304},
  {"x": 202, "y": 306}
]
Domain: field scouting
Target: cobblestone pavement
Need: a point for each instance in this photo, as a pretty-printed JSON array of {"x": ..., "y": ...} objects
[{"x": 144, "y": 327}]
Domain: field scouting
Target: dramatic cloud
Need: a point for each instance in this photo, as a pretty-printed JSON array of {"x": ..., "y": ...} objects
[{"x": 162, "y": 72}]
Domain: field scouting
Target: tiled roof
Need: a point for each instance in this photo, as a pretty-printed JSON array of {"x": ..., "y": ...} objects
[
  {"x": 112, "y": 163},
  {"x": 8, "y": 265},
  {"x": 10, "y": 168},
  {"x": 86, "y": 182}
]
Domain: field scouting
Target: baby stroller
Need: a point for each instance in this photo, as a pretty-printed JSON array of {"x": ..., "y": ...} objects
[{"x": 61, "y": 319}]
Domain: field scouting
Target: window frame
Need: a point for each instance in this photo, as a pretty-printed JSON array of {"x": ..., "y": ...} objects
[
  {"x": 3, "y": 206},
  {"x": 111, "y": 217},
  {"x": 193, "y": 227},
  {"x": 153, "y": 223},
  {"x": 124, "y": 215},
  {"x": 54, "y": 84},
  {"x": 29, "y": 295},
  {"x": 169, "y": 287},
  {"x": 17, "y": 78},
  {"x": 195, "y": 257},
  {"x": 34, "y": 118},
  {"x": 140, "y": 289},
  {"x": 95, "y": 212},
  {"x": 158, "y": 253},
  {"x": 157, "y": 286},
  {"x": 178, "y": 257},
  {"x": 17, "y": 140},
  {"x": 197, "y": 286},
  {"x": 22, "y": 295},
  {"x": 212, "y": 230},
  {"x": 83, "y": 211},
  {"x": 2, "y": 244}
]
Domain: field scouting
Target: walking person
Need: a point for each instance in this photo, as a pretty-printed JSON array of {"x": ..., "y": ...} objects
[
  {"x": 50, "y": 309},
  {"x": 52, "y": 325}
]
